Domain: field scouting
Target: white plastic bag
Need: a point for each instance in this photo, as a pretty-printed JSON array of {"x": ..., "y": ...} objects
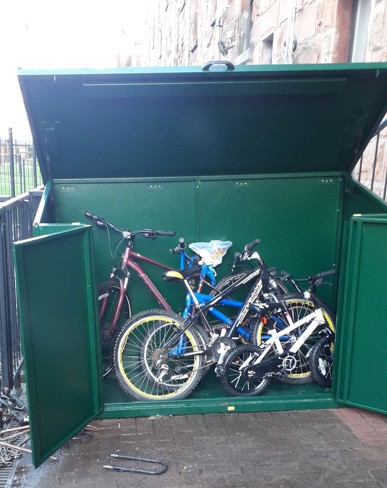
[{"x": 211, "y": 252}]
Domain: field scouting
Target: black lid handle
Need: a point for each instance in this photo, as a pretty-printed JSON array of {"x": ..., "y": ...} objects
[{"x": 229, "y": 66}]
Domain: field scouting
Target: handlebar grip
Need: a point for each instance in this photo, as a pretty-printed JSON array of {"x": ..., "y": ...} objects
[
  {"x": 168, "y": 233},
  {"x": 250, "y": 247},
  {"x": 326, "y": 273},
  {"x": 95, "y": 218}
]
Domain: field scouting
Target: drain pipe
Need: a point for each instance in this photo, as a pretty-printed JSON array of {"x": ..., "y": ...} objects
[{"x": 290, "y": 35}]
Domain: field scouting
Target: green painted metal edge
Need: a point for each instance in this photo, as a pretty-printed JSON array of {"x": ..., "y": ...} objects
[
  {"x": 47, "y": 229},
  {"x": 325, "y": 175},
  {"x": 93, "y": 324},
  {"x": 371, "y": 195},
  {"x": 345, "y": 334},
  {"x": 220, "y": 405},
  {"x": 339, "y": 241},
  {"x": 43, "y": 208},
  {"x": 374, "y": 218},
  {"x": 165, "y": 70}
]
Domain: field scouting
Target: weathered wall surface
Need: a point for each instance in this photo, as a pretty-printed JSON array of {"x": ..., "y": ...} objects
[{"x": 188, "y": 32}]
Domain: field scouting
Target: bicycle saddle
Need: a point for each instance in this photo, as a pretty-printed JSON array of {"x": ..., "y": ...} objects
[{"x": 181, "y": 274}]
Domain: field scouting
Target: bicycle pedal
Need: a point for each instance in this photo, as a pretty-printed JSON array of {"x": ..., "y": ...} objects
[{"x": 219, "y": 371}]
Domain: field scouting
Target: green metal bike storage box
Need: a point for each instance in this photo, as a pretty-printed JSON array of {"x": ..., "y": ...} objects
[{"x": 215, "y": 153}]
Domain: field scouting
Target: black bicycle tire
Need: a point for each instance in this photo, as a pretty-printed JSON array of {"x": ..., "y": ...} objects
[
  {"x": 228, "y": 369},
  {"x": 324, "y": 380}
]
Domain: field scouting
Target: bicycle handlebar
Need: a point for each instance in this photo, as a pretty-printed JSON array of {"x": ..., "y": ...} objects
[
  {"x": 313, "y": 280},
  {"x": 147, "y": 233},
  {"x": 249, "y": 247},
  {"x": 324, "y": 273}
]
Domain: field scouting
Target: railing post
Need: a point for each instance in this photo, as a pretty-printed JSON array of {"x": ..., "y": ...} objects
[
  {"x": 375, "y": 161},
  {"x": 11, "y": 162},
  {"x": 20, "y": 165},
  {"x": 34, "y": 167},
  {"x": 6, "y": 350}
]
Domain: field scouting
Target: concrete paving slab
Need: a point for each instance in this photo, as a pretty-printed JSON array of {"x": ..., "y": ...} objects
[{"x": 343, "y": 448}]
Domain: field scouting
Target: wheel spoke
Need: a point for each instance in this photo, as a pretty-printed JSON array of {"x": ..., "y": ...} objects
[{"x": 150, "y": 372}]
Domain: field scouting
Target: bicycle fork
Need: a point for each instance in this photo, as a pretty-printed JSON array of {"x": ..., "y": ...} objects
[{"x": 123, "y": 286}]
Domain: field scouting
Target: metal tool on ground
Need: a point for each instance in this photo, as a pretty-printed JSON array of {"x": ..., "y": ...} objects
[{"x": 163, "y": 469}]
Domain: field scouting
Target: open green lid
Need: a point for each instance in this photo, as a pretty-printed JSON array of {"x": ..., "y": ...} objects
[{"x": 138, "y": 122}]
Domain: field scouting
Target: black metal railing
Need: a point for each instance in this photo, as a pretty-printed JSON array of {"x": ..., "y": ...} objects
[
  {"x": 19, "y": 169},
  {"x": 16, "y": 218},
  {"x": 371, "y": 169}
]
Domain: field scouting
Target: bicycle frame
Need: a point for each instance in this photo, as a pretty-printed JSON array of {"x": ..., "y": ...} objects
[
  {"x": 203, "y": 303},
  {"x": 315, "y": 318},
  {"x": 129, "y": 259}
]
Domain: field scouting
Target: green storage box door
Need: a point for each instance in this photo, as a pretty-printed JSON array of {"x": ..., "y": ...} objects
[
  {"x": 57, "y": 307},
  {"x": 361, "y": 356}
]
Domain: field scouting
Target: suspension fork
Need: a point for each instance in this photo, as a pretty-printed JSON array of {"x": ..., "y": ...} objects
[{"x": 123, "y": 286}]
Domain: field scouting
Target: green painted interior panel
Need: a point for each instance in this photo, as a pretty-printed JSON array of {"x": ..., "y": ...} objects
[
  {"x": 133, "y": 122},
  {"x": 297, "y": 218},
  {"x": 161, "y": 205},
  {"x": 58, "y": 323},
  {"x": 361, "y": 358}
]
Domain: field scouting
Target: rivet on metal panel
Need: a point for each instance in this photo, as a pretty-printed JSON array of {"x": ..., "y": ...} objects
[
  {"x": 155, "y": 187},
  {"x": 68, "y": 188}
]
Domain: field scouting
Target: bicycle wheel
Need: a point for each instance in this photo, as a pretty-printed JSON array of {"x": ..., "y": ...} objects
[
  {"x": 321, "y": 361},
  {"x": 145, "y": 370},
  {"x": 151, "y": 340},
  {"x": 297, "y": 309},
  {"x": 108, "y": 296},
  {"x": 239, "y": 382}
]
